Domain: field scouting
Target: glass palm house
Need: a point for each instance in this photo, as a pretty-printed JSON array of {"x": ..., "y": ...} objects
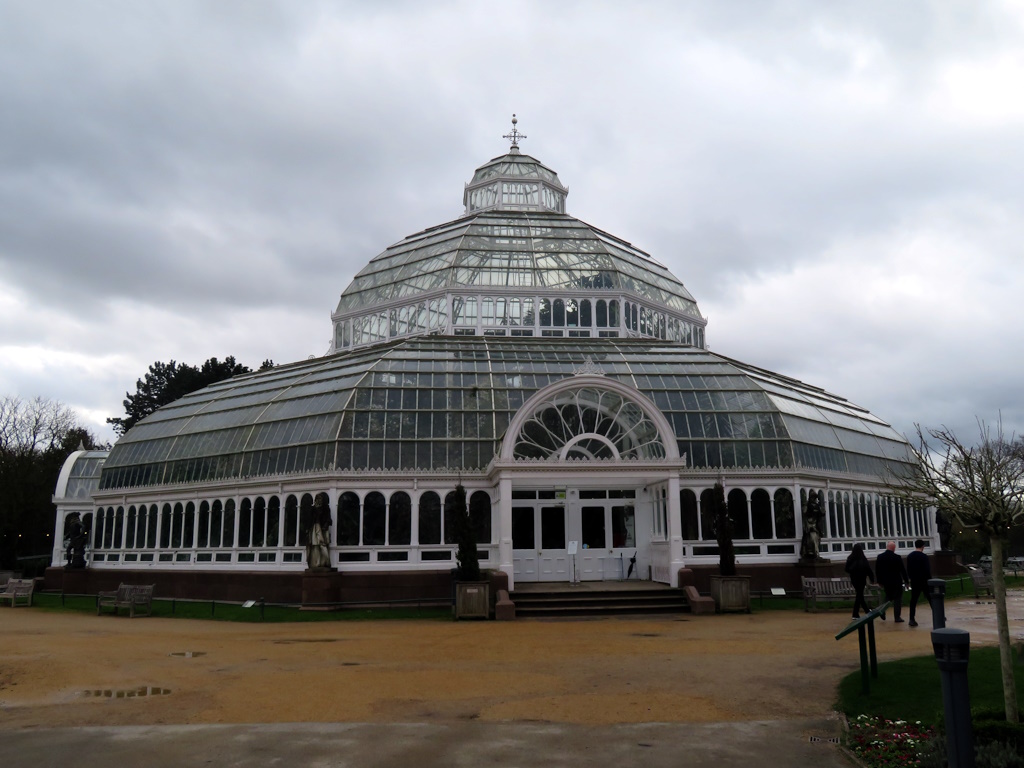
[{"x": 556, "y": 371}]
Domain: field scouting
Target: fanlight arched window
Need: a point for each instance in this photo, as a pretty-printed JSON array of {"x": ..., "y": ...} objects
[{"x": 588, "y": 424}]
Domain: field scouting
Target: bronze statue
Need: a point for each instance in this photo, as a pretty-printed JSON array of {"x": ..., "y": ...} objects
[{"x": 75, "y": 539}]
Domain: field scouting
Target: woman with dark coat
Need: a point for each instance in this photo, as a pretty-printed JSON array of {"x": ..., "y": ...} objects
[{"x": 859, "y": 568}]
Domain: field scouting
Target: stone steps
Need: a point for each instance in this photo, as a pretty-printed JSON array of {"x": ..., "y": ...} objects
[{"x": 597, "y": 602}]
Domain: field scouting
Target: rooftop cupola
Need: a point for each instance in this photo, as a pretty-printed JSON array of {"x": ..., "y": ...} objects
[{"x": 514, "y": 182}]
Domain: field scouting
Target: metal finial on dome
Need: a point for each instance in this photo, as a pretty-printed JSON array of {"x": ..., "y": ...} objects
[{"x": 515, "y": 135}]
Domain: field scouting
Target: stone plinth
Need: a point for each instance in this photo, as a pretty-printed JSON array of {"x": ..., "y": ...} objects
[{"x": 320, "y": 588}]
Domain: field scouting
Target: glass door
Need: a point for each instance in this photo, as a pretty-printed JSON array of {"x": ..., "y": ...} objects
[
  {"x": 554, "y": 560},
  {"x": 539, "y": 543}
]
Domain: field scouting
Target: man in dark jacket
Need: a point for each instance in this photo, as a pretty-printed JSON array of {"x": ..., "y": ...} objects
[
  {"x": 892, "y": 576},
  {"x": 919, "y": 572}
]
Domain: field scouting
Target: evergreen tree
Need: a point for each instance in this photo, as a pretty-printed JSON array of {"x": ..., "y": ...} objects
[
  {"x": 467, "y": 557},
  {"x": 167, "y": 382}
]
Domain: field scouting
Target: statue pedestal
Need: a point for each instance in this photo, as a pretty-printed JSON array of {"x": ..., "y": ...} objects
[
  {"x": 321, "y": 587},
  {"x": 76, "y": 581},
  {"x": 946, "y": 563},
  {"x": 816, "y": 568}
]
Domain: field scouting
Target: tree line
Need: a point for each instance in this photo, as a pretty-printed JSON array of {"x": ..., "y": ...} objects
[{"x": 37, "y": 436}]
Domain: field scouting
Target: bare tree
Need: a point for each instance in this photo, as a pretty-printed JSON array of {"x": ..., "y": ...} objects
[
  {"x": 983, "y": 486},
  {"x": 36, "y": 436},
  {"x": 33, "y": 426}
]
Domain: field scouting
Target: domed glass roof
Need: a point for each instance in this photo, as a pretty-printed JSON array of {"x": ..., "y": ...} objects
[
  {"x": 515, "y": 240},
  {"x": 515, "y": 164},
  {"x": 508, "y": 252},
  {"x": 426, "y": 382},
  {"x": 430, "y": 403}
]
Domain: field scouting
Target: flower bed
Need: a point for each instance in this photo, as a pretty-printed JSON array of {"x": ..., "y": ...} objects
[{"x": 881, "y": 743}]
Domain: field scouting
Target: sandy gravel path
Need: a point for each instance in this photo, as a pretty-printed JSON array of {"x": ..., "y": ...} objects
[{"x": 765, "y": 666}]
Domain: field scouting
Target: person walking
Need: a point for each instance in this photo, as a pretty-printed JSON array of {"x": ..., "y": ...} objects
[
  {"x": 919, "y": 571},
  {"x": 859, "y": 568},
  {"x": 892, "y": 576}
]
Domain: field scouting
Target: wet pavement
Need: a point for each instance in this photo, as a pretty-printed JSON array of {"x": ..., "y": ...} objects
[{"x": 790, "y": 742}]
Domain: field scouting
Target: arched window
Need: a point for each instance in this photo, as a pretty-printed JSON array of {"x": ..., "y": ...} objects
[
  {"x": 572, "y": 313},
  {"x": 480, "y": 516},
  {"x": 374, "y": 520},
  {"x": 348, "y": 520},
  {"x": 87, "y": 521},
  {"x": 688, "y": 511},
  {"x": 707, "y": 514},
  {"x": 291, "y": 521},
  {"x": 785, "y": 521},
  {"x": 97, "y": 531},
  {"x": 738, "y": 514},
  {"x": 558, "y": 319},
  {"x": 216, "y": 524},
  {"x": 835, "y": 522},
  {"x": 602, "y": 313},
  {"x": 244, "y": 522},
  {"x": 108, "y": 528},
  {"x": 273, "y": 522},
  {"x": 448, "y": 522},
  {"x": 430, "y": 518},
  {"x": 613, "y": 313},
  {"x": 151, "y": 526},
  {"x": 203, "y": 534},
  {"x": 306, "y": 518},
  {"x": 165, "y": 527},
  {"x": 588, "y": 424},
  {"x": 545, "y": 312},
  {"x": 129, "y": 531},
  {"x": 228, "y": 529},
  {"x": 585, "y": 319},
  {"x": 118, "y": 527},
  {"x": 400, "y": 519},
  {"x": 761, "y": 514},
  {"x": 189, "y": 532},
  {"x": 176, "y": 524},
  {"x": 259, "y": 521}
]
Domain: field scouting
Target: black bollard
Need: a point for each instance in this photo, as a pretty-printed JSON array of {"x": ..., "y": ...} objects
[
  {"x": 952, "y": 649},
  {"x": 937, "y": 599}
]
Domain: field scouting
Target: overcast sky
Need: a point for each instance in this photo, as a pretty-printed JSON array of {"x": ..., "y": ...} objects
[{"x": 838, "y": 184}]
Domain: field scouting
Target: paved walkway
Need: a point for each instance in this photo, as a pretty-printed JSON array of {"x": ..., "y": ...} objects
[
  {"x": 793, "y": 741},
  {"x": 794, "y": 744}
]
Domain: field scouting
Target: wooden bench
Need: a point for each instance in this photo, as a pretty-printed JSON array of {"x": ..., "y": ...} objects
[
  {"x": 981, "y": 580},
  {"x": 836, "y": 588},
  {"x": 134, "y": 597},
  {"x": 18, "y": 589}
]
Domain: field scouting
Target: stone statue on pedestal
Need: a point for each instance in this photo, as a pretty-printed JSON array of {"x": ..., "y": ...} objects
[
  {"x": 75, "y": 540},
  {"x": 814, "y": 518},
  {"x": 318, "y": 553}
]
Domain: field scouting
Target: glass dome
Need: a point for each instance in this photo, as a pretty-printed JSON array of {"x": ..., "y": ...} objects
[
  {"x": 514, "y": 253},
  {"x": 433, "y": 403}
]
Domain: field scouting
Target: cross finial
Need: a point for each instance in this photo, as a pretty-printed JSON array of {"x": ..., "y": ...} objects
[{"x": 515, "y": 135}]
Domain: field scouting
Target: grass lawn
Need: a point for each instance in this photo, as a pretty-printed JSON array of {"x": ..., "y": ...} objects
[
  {"x": 206, "y": 609},
  {"x": 911, "y": 689}
]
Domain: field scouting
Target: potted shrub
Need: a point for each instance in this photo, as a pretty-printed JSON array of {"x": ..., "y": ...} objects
[
  {"x": 730, "y": 592},
  {"x": 472, "y": 592}
]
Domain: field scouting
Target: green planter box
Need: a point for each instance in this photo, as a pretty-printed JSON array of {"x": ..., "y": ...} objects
[
  {"x": 472, "y": 599},
  {"x": 731, "y": 593}
]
